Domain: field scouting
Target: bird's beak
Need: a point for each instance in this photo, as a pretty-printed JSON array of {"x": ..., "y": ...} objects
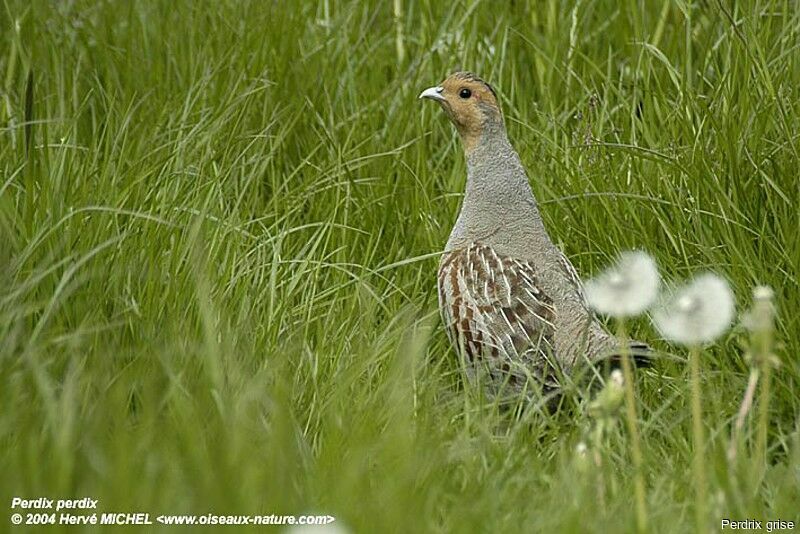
[{"x": 434, "y": 93}]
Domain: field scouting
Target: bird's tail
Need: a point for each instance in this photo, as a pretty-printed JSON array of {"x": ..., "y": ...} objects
[{"x": 641, "y": 355}]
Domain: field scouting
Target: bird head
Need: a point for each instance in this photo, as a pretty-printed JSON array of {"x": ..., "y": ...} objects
[{"x": 470, "y": 103}]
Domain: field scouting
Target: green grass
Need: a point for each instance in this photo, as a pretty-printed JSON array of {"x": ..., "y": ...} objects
[{"x": 218, "y": 233}]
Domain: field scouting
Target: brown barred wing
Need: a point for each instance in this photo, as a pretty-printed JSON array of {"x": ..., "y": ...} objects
[{"x": 496, "y": 312}]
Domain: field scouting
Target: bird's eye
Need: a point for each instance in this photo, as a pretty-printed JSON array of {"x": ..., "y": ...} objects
[{"x": 465, "y": 93}]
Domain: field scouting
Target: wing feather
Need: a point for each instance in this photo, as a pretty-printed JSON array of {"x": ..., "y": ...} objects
[{"x": 494, "y": 308}]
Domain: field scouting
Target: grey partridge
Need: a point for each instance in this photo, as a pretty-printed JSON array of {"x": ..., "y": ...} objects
[{"x": 511, "y": 301}]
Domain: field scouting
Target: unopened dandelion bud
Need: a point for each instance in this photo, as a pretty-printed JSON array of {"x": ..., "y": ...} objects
[
  {"x": 760, "y": 317},
  {"x": 610, "y": 398},
  {"x": 581, "y": 460}
]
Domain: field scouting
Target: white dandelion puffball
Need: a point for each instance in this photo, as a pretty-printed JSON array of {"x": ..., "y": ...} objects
[
  {"x": 698, "y": 312},
  {"x": 625, "y": 289}
]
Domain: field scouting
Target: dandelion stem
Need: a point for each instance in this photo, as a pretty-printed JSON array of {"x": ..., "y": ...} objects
[
  {"x": 763, "y": 414},
  {"x": 698, "y": 440},
  {"x": 598, "y": 443},
  {"x": 760, "y": 320},
  {"x": 744, "y": 409},
  {"x": 633, "y": 430}
]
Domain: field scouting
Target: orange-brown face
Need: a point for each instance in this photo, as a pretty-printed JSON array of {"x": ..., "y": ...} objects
[{"x": 469, "y": 102}]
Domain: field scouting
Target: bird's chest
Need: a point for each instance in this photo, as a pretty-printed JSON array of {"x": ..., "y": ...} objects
[{"x": 506, "y": 237}]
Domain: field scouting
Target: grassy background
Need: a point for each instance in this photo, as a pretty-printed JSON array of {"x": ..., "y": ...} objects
[{"x": 219, "y": 224}]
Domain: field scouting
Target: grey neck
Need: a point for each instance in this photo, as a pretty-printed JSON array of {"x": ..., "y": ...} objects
[
  {"x": 494, "y": 171},
  {"x": 499, "y": 208},
  {"x": 496, "y": 180}
]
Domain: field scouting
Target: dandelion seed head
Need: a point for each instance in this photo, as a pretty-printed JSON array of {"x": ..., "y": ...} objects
[
  {"x": 696, "y": 313},
  {"x": 688, "y": 303},
  {"x": 625, "y": 289}
]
